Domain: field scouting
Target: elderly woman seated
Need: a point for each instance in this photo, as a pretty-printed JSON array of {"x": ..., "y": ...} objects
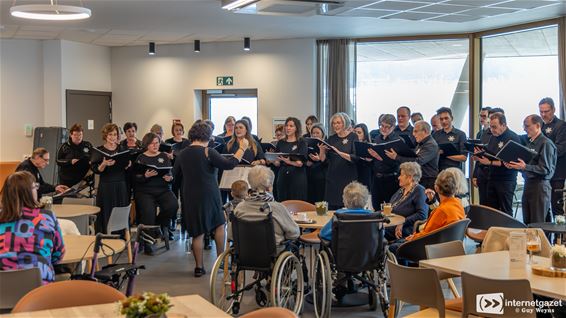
[
  {"x": 450, "y": 209},
  {"x": 260, "y": 179},
  {"x": 355, "y": 197},
  {"x": 409, "y": 201},
  {"x": 461, "y": 190}
]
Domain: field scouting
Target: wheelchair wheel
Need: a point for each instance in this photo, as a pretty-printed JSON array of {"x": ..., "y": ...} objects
[
  {"x": 287, "y": 284},
  {"x": 322, "y": 287},
  {"x": 221, "y": 282}
]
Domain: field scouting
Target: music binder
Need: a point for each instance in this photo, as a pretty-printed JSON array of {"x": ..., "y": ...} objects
[
  {"x": 471, "y": 144},
  {"x": 268, "y": 147},
  {"x": 231, "y": 176},
  {"x": 165, "y": 147},
  {"x": 161, "y": 171},
  {"x": 449, "y": 149},
  {"x": 513, "y": 151},
  {"x": 314, "y": 142},
  {"x": 408, "y": 141},
  {"x": 122, "y": 158},
  {"x": 273, "y": 156}
]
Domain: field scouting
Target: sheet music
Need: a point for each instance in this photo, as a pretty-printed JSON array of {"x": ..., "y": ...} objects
[{"x": 230, "y": 176}]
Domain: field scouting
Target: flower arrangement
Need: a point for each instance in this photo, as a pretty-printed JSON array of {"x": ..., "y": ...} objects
[
  {"x": 46, "y": 202},
  {"x": 321, "y": 207},
  {"x": 147, "y": 304},
  {"x": 558, "y": 253}
]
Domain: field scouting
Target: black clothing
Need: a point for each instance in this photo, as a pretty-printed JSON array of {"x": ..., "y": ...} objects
[
  {"x": 156, "y": 182},
  {"x": 481, "y": 172},
  {"x": 292, "y": 181},
  {"x": 385, "y": 174},
  {"x": 385, "y": 167},
  {"x": 340, "y": 171},
  {"x": 455, "y": 136},
  {"x": 499, "y": 195},
  {"x": 69, "y": 173},
  {"x": 316, "y": 176},
  {"x": 248, "y": 154},
  {"x": 136, "y": 150},
  {"x": 427, "y": 157},
  {"x": 184, "y": 143},
  {"x": 201, "y": 205},
  {"x": 407, "y": 132},
  {"x": 535, "y": 200},
  {"x": 556, "y": 131},
  {"x": 542, "y": 166},
  {"x": 124, "y": 144},
  {"x": 112, "y": 190},
  {"x": 364, "y": 172},
  {"x": 374, "y": 133},
  {"x": 44, "y": 187},
  {"x": 501, "y": 173}
]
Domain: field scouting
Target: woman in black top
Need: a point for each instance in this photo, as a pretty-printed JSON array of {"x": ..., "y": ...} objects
[
  {"x": 202, "y": 207},
  {"x": 153, "y": 187},
  {"x": 135, "y": 146},
  {"x": 73, "y": 157},
  {"x": 316, "y": 169},
  {"x": 341, "y": 160},
  {"x": 309, "y": 122},
  {"x": 292, "y": 175},
  {"x": 364, "y": 164},
  {"x": 253, "y": 154},
  {"x": 112, "y": 190},
  {"x": 229, "y": 123}
]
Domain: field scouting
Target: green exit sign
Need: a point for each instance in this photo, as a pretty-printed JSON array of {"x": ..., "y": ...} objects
[{"x": 224, "y": 80}]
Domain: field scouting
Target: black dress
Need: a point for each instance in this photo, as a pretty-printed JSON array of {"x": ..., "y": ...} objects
[
  {"x": 340, "y": 171},
  {"x": 316, "y": 176},
  {"x": 292, "y": 181},
  {"x": 364, "y": 172},
  {"x": 112, "y": 190},
  {"x": 135, "y": 151},
  {"x": 201, "y": 205}
]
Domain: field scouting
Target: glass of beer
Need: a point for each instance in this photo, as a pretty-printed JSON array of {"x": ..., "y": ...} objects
[{"x": 533, "y": 245}]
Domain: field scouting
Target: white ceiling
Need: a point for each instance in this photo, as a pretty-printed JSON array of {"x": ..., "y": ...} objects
[{"x": 137, "y": 22}]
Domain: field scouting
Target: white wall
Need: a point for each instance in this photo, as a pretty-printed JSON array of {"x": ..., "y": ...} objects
[
  {"x": 21, "y": 95},
  {"x": 154, "y": 89}
]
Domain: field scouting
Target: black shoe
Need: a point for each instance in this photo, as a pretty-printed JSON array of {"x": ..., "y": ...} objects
[
  {"x": 171, "y": 234},
  {"x": 199, "y": 271},
  {"x": 148, "y": 249}
]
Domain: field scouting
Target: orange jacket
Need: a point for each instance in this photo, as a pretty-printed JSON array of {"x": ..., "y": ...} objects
[{"x": 449, "y": 211}]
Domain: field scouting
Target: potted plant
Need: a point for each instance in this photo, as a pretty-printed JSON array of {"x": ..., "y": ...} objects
[
  {"x": 146, "y": 305},
  {"x": 558, "y": 253}
]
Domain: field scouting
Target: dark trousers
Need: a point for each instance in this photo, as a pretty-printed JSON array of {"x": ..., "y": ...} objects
[
  {"x": 147, "y": 202},
  {"x": 556, "y": 197},
  {"x": 482, "y": 190},
  {"x": 427, "y": 182},
  {"x": 536, "y": 200},
  {"x": 382, "y": 190},
  {"x": 500, "y": 195}
]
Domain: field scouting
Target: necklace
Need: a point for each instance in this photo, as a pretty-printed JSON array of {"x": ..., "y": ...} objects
[{"x": 404, "y": 197}]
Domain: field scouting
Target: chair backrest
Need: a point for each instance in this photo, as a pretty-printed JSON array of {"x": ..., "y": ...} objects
[
  {"x": 68, "y": 293},
  {"x": 446, "y": 249},
  {"x": 417, "y": 286},
  {"x": 414, "y": 250},
  {"x": 272, "y": 312},
  {"x": 366, "y": 233},
  {"x": 483, "y": 217},
  {"x": 254, "y": 243},
  {"x": 497, "y": 239},
  {"x": 295, "y": 206},
  {"x": 79, "y": 201},
  {"x": 475, "y": 300},
  {"x": 119, "y": 219},
  {"x": 15, "y": 284}
]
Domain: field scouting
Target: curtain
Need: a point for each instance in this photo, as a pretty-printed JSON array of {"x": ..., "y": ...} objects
[
  {"x": 336, "y": 84},
  {"x": 561, "y": 67}
]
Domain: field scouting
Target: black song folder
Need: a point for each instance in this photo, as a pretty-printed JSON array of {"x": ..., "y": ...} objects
[
  {"x": 161, "y": 171},
  {"x": 273, "y": 156},
  {"x": 449, "y": 149},
  {"x": 513, "y": 151},
  {"x": 122, "y": 158}
]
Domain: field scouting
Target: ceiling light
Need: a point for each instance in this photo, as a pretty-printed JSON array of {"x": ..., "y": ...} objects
[
  {"x": 151, "y": 48},
  {"x": 236, "y": 4},
  {"x": 50, "y": 12},
  {"x": 247, "y": 44},
  {"x": 197, "y": 46}
]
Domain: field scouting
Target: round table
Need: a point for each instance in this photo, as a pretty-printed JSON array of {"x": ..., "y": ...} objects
[
  {"x": 547, "y": 227},
  {"x": 318, "y": 221},
  {"x": 73, "y": 210},
  {"x": 77, "y": 245}
]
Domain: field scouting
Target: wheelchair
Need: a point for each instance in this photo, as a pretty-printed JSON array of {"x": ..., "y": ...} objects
[
  {"x": 352, "y": 261},
  {"x": 278, "y": 278}
]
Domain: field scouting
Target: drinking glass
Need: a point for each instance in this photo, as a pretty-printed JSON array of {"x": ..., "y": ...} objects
[{"x": 533, "y": 245}]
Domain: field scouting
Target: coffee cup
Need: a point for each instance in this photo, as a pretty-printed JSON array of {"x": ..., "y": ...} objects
[{"x": 302, "y": 217}]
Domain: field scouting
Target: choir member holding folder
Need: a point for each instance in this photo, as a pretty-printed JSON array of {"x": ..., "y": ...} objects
[
  {"x": 365, "y": 162},
  {"x": 135, "y": 146},
  {"x": 110, "y": 161},
  {"x": 385, "y": 170},
  {"x": 153, "y": 187},
  {"x": 201, "y": 207},
  {"x": 537, "y": 172},
  {"x": 292, "y": 174},
  {"x": 316, "y": 169},
  {"x": 450, "y": 140},
  {"x": 253, "y": 152},
  {"x": 73, "y": 157},
  {"x": 339, "y": 151}
]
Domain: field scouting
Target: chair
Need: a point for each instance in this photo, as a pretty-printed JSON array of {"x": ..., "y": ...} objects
[
  {"x": 118, "y": 221},
  {"x": 508, "y": 289},
  {"x": 414, "y": 250},
  {"x": 418, "y": 286},
  {"x": 272, "y": 312},
  {"x": 295, "y": 206},
  {"x": 84, "y": 223},
  {"x": 15, "y": 284},
  {"x": 452, "y": 248},
  {"x": 69, "y": 293},
  {"x": 496, "y": 239},
  {"x": 483, "y": 217}
]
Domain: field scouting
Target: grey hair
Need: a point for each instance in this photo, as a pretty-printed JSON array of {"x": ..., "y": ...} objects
[
  {"x": 388, "y": 119},
  {"x": 261, "y": 178},
  {"x": 412, "y": 169},
  {"x": 355, "y": 195},
  {"x": 446, "y": 183},
  {"x": 461, "y": 183},
  {"x": 345, "y": 119},
  {"x": 423, "y": 125}
]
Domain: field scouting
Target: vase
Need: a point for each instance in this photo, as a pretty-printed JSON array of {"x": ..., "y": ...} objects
[{"x": 558, "y": 262}]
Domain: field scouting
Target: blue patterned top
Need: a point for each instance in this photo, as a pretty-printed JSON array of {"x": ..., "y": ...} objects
[{"x": 34, "y": 240}]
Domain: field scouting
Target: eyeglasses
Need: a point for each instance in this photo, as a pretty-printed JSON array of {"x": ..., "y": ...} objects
[
  {"x": 46, "y": 160},
  {"x": 384, "y": 126}
]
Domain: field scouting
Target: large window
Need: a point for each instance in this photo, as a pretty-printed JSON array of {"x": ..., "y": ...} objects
[
  {"x": 232, "y": 103},
  {"x": 518, "y": 70},
  {"x": 424, "y": 75}
]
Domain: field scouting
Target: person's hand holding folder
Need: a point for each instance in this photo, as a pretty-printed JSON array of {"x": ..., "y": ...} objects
[
  {"x": 518, "y": 165},
  {"x": 374, "y": 154},
  {"x": 391, "y": 153}
]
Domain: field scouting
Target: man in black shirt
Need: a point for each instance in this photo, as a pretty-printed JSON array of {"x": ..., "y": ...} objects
[
  {"x": 39, "y": 160},
  {"x": 481, "y": 171},
  {"x": 73, "y": 157},
  {"x": 537, "y": 172},
  {"x": 555, "y": 130},
  {"x": 501, "y": 181},
  {"x": 426, "y": 151},
  {"x": 404, "y": 127},
  {"x": 449, "y": 135}
]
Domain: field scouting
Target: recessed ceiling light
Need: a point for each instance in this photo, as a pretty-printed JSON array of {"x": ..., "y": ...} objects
[{"x": 51, "y": 11}]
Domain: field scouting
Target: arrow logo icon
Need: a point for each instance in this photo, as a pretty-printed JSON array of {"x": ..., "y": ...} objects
[{"x": 490, "y": 303}]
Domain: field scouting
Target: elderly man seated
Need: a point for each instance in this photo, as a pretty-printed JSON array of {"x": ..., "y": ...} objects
[
  {"x": 261, "y": 179},
  {"x": 355, "y": 197}
]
